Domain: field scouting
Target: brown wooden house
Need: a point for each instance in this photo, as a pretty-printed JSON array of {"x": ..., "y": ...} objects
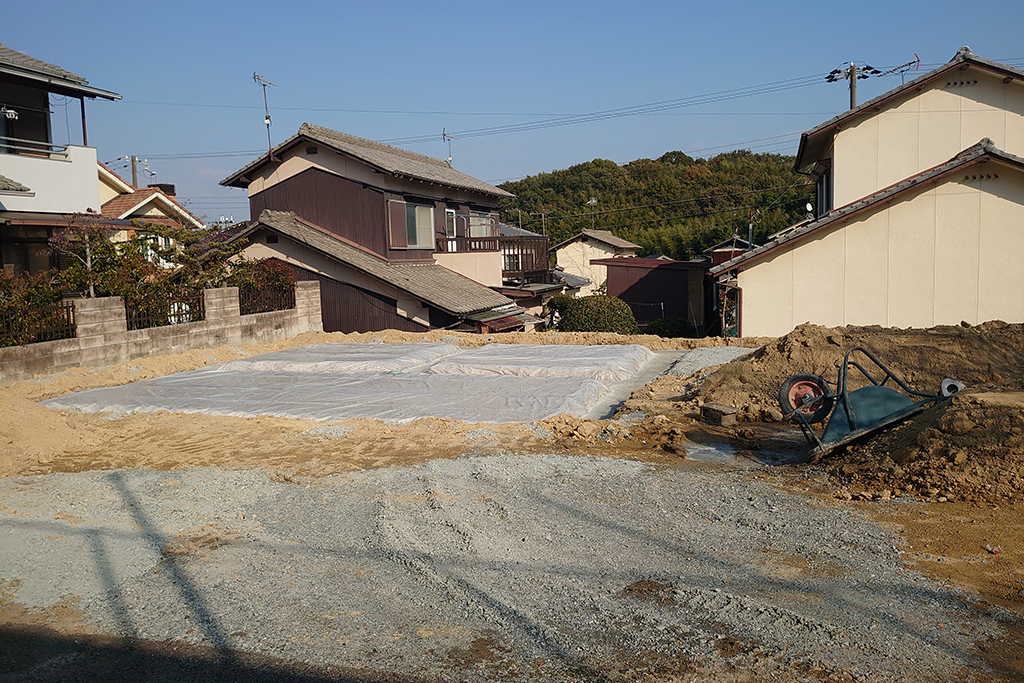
[{"x": 394, "y": 237}]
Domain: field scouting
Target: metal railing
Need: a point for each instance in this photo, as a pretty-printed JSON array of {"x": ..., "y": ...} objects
[
  {"x": 459, "y": 245},
  {"x": 31, "y": 147},
  {"x": 265, "y": 300},
  {"x": 47, "y": 323},
  {"x": 172, "y": 311}
]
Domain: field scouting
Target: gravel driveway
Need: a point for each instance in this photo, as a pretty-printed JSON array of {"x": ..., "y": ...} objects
[{"x": 490, "y": 568}]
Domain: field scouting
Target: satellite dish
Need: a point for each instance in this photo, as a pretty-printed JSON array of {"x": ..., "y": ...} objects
[{"x": 809, "y": 207}]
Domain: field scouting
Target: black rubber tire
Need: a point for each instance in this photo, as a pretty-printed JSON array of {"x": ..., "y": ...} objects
[{"x": 822, "y": 407}]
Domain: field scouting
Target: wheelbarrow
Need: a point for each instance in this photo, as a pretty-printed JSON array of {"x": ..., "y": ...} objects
[{"x": 808, "y": 399}]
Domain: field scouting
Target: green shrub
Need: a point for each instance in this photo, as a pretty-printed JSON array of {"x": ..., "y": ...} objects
[
  {"x": 671, "y": 327},
  {"x": 598, "y": 313}
]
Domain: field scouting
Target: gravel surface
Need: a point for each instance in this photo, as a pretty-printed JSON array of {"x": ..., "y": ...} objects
[
  {"x": 490, "y": 568},
  {"x": 698, "y": 359}
]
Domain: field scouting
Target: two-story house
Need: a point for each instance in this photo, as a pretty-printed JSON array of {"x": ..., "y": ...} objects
[
  {"x": 582, "y": 255},
  {"x": 42, "y": 183},
  {"x": 396, "y": 239},
  {"x": 919, "y": 219}
]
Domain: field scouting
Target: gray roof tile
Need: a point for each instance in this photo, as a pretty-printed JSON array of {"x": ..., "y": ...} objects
[
  {"x": 8, "y": 185},
  {"x": 397, "y": 162},
  {"x": 426, "y": 281},
  {"x": 18, "y": 60}
]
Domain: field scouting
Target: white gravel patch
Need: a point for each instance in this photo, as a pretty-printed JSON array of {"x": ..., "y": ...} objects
[{"x": 396, "y": 569}]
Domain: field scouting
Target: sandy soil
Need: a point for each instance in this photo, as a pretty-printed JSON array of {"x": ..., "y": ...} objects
[{"x": 957, "y": 470}]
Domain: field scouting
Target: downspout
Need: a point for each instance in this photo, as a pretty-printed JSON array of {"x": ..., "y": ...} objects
[{"x": 85, "y": 133}]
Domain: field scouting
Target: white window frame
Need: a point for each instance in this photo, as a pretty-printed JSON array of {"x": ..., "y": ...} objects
[
  {"x": 481, "y": 225},
  {"x": 422, "y": 216}
]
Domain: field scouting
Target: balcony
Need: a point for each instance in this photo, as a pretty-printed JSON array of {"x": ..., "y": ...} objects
[
  {"x": 61, "y": 178},
  {"x": 524, "y": 259},
  {"x": 464, "y": 245}
]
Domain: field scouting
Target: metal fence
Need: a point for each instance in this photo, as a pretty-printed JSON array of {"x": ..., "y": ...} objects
[
  {"x": 47, "y": 323},
  {"x": 264, "y": 300},
  {"x": 172, "y": 311}
]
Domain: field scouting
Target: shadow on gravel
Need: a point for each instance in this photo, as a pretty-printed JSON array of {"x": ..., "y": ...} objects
[{"x": 44, "y": 656}]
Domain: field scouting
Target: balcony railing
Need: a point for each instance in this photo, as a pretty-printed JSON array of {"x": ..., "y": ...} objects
[
  {"x": 32, "y": 147},
  {"x": 460, "y": 245},
  {"x": 524, "y": 259}
]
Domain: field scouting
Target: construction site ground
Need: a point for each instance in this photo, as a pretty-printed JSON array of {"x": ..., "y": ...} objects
[{"x": 647, "y": 546}]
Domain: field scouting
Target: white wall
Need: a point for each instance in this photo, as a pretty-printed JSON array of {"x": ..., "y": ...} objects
[
  {"x": 926, "y": 128},
  {"x": 60, "y": 185},
  {"x": 481, "y": 266},
  {"x": 946, "y": 253},
  {"x": 575, "y": 258}
]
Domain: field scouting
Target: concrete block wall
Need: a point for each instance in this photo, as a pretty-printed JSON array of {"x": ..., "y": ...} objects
[{"x": 104, "y": 339}]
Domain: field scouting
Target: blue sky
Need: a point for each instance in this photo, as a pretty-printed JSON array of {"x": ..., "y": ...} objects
[{"x": 391, "y": 70}]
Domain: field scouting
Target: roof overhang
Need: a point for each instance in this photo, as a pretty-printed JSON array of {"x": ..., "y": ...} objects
[
  {"x": 165, "y": 203},
  {"x": 55, "y": 84},
  {"x": 816, "y": 141},
  {"x": 980, "y": 153}
]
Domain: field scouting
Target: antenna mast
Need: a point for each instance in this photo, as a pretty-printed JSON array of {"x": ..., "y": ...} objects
[
  {"x": 266, "y": 108},
  {"x": 446, "y": 137}
]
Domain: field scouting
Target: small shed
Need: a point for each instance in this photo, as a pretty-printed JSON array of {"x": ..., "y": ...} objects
[{"x": 657, "y": 288}]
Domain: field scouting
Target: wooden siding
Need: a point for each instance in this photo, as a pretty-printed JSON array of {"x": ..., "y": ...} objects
[
  {"x": 339, "y": 206},
  {"x": 654, "y": 289},
  {"x": 345, "y": 308}
]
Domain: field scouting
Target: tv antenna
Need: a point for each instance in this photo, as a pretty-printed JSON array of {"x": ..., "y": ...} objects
[
  {"x": 259, "y": 80},
  {"x": 913, "y": 65},
  {"x": 447, "y": 137}
]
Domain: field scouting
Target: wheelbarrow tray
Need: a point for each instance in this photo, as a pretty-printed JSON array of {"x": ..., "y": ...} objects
[{"x": 865, "y": 411}]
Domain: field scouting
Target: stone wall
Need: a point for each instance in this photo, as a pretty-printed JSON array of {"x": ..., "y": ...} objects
[{"x": 103, "y": 337}]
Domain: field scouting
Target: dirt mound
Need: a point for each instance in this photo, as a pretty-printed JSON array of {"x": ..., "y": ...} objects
[
  {"x": 984, "y": 354},
  {"x": 970, "y": 448}
]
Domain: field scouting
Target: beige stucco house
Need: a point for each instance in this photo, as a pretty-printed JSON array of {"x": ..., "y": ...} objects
[
  {"x": 575, "y": 256},
  {"x": 919, "y": 218}
]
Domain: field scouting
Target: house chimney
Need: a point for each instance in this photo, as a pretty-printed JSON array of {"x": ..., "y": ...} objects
[{"x": 166, "y": 188}]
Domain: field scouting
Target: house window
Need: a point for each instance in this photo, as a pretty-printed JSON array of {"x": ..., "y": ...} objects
[
  {"x": 449, "y": 222},
  {"x": 823, "y": 188},
  {"x": 419, "y": 226},
  {"x": 155, "y": 243},
  {"x": 481, "y": 225}
]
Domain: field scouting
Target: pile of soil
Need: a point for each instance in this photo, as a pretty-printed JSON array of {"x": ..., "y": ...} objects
[
  {"x": 986, "y": 354},
  {"x": 970, "y": 448}
]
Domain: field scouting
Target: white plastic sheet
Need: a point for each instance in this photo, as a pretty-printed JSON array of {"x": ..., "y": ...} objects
[
  {"x": 351, "y": 357},
  {"x": 341, "y": 396},
  {"x": 393, "y": 382},
  {"x": 609, "y": 363}
]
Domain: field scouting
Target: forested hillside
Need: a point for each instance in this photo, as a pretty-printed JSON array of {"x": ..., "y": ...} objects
[{"x": 674, "y": 205}]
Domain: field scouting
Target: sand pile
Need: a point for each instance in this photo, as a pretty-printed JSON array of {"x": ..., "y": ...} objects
[
  {"x": 970, "y": 448},
  {"x": 990, "y": 353}
]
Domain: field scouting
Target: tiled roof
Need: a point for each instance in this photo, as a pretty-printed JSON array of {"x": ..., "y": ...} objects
[
  {"x": 427, "y": 281},
  {"x": 117, "y": 206},
  {"x": 600, "y": 236},
  {"x": 972, "y": 154},
  {"x": 8, "y": 185},
  {"x": 962, "y": 59},
  {"x": 30, "y": 67},
  {"x": 22, "y": 61},
  {"x": 506, "y": 230},
  {"x": 397, "y": 162}
]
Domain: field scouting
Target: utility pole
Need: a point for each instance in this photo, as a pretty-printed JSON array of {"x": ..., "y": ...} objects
[
  {"x": 853, "y": 85},
  {"x": 853, "y": 74},
  {"x": 135, "y": 172}
]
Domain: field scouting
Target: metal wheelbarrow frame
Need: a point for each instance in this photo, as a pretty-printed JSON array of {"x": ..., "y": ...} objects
[{"x": 854, "y": 414}]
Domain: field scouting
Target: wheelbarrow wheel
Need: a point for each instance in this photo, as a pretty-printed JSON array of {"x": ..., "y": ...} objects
[{"x": 809, "y": 394}]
